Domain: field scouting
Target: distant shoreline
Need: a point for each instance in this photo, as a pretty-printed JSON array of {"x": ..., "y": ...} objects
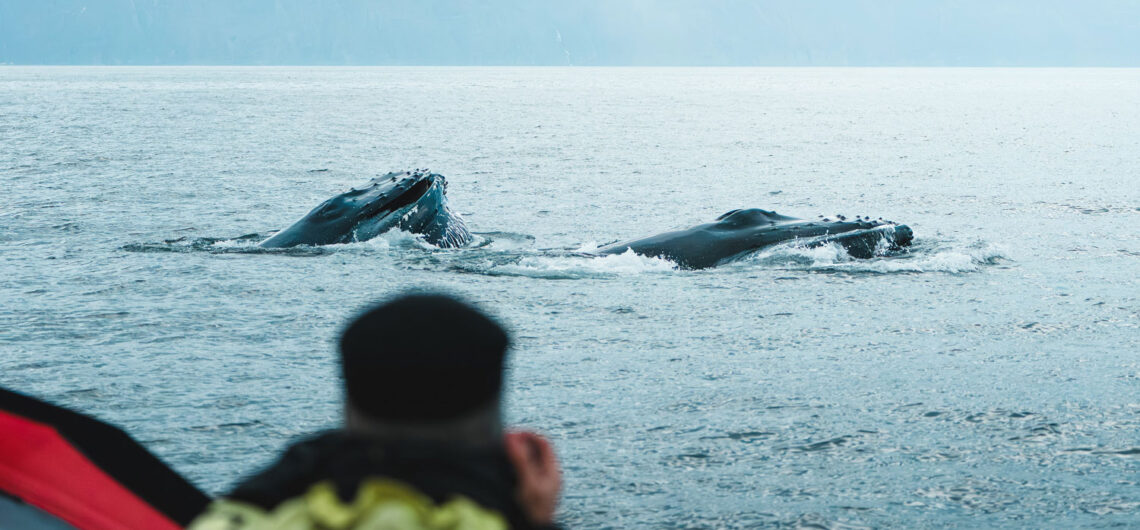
[{"x": 552, "y": 66}]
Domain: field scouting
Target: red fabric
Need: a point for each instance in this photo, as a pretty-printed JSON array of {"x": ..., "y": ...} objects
[{"x": 42, "y": 468}]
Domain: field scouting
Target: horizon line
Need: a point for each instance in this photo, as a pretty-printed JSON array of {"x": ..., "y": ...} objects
[{"x": 392, "y": 65}]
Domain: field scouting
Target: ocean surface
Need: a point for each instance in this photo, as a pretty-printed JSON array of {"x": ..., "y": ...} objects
[{"x": 988, "y": 378}]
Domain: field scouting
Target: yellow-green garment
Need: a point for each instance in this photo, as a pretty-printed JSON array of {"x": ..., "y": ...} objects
[{"x": 380, "y": 504}]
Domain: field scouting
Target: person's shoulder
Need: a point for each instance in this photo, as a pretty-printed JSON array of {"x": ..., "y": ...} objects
[
  {"x": 379, "y": 503},
  {"x": 291, "y": 474},
  {"x": 336, "y": 472}
]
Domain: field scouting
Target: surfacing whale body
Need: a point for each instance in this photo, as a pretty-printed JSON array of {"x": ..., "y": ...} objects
[
  {"x": 415, "y": 202},
  {"x": 740, "y": 232}
]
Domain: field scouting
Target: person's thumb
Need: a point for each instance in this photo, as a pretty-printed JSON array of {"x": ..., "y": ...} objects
[{"x": 518, "y": 452}]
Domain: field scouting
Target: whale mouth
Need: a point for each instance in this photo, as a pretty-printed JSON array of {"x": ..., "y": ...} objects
[{"x": 414, "y": 194}]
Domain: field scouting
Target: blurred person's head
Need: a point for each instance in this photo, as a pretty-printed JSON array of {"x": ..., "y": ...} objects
[{"x": 424, "y": 367}]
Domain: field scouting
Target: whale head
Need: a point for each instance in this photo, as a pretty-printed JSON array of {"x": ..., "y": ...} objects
[
  {"x": 412, "y": 201},
  {"x": 754, "y": 217}
]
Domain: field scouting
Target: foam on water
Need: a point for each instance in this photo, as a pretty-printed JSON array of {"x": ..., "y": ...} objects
[
  {"x": 588, "y": 247},
  {"x": 234, "y": 244},
  {"x": 392, "y": 239},
  {"x": 580, "y": 267},
  {"x": 923, "y": 257}
]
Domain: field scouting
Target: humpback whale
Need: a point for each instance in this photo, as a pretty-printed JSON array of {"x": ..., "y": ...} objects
[
  {"x": 739, "y": 232},
  {"x": 415, "y": 202}
]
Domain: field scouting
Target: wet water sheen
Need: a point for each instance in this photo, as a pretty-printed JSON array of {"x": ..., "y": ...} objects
[{"x": 990, "y": 377}]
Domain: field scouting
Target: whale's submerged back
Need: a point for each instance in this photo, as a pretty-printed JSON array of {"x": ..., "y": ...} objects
[{"x": 740, "y": 232}]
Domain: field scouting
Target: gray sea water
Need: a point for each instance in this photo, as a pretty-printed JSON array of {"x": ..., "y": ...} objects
[{"x": 988, "y": 378}]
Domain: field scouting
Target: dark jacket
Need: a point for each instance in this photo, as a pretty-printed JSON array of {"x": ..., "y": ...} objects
[{"x": 441, "y": 472}]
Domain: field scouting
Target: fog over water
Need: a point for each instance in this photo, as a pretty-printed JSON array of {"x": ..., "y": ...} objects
[
  {"x": 989, "y": 378},
  {"x": 575, "y": 32}
]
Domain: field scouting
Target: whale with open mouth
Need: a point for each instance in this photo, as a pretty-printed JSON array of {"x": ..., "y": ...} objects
[
  {"x": 741, "y": 232},
  {"x": 414, "y": 202}
]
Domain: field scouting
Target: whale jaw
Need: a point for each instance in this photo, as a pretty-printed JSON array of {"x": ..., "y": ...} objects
[{"x": 413, "y": 202}]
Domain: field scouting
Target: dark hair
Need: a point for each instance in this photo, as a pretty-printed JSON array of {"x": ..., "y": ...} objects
[{"x": 422, "y": 358}]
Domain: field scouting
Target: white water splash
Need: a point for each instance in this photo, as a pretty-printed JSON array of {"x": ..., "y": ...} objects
[
  {"x": 832, "y": 257},
  {"x": 238, "y": 243},
  {"x": 575, "y": 267},
  {"x": 394, "y": 238},
  {"x": 588, "y": 247}
]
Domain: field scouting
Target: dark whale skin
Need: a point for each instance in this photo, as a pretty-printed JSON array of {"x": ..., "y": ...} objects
[
  {"x": 415, "y": 202},
  {"x": 740, "y": 232}
]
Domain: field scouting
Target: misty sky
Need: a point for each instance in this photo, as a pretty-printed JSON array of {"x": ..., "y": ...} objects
[{"x": 578, "y": 32}]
